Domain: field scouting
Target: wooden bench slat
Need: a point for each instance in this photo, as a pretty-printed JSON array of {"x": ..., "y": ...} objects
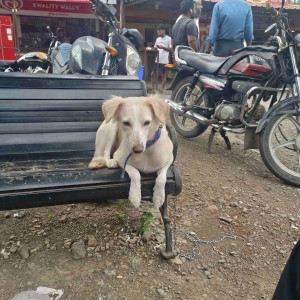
[
  {"x": 51, "y": 105},
  {"x": 72, "y": 94},
  {"x": 47, "y": 138},
  {"x": 13, "y": 128},
  {"x": 47, "y": 148},
  {"x": 15, "y": 156},
  {"x": 67, "y": 178}
]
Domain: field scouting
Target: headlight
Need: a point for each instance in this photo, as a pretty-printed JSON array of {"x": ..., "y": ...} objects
[{"x": 133, "y": 61}]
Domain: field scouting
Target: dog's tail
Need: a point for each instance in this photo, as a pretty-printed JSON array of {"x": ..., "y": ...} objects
[{"x": 97, "y": 163}]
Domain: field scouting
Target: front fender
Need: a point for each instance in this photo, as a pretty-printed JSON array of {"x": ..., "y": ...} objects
[{"x": 287, "y": 106}]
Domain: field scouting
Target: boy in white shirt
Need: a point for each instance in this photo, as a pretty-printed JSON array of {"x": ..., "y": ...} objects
[{"x": 164, "y": 46}]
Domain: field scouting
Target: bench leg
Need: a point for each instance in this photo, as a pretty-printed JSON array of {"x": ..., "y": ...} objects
[{"x": 168, "y": 252}]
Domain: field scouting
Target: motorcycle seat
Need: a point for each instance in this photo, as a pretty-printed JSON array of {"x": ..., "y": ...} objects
[
  {"x": 205, "y": 63},
  {"x": 7, "y": 63},
  {"x": 258, "y": 48}
]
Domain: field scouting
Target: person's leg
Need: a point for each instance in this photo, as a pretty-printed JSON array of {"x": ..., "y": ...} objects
[
  {"x": 288, "y": 287},
  {"x": 164, "y": 80},
  {"x": 164, "y": 77},
  {"x": 153, "y": 76}
]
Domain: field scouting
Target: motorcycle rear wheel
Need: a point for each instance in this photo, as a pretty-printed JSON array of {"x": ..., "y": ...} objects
[
  {"x": 187, "y": 127},
  {"x": 280, "y": 147}
]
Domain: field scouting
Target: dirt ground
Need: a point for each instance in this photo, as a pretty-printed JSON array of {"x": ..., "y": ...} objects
[{"x": 226, "y": 192}]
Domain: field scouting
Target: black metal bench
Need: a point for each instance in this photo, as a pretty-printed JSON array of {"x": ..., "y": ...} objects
[{"x": 47, "y": 133}]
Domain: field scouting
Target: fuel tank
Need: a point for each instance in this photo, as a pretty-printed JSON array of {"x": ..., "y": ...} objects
[{"x": 253, "y": 67}]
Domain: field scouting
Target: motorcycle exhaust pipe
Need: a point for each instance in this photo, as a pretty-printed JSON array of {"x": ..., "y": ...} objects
[{"x": 188, "y": 114}]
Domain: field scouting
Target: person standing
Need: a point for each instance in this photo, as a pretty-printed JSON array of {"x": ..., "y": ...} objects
[
  {"x": 164, "y": 46},
  {"x": 185, "y": 31},
  {"x": 231, "y": 24},
  {"x": 198, "y": 7}
]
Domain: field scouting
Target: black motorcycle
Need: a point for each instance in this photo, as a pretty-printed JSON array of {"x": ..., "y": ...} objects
[
  {"x": 89, "y": 55},
  {"x": 231, "y": 94}
]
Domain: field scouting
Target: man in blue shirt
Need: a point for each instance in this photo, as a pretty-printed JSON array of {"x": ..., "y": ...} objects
[{"x": 231, "y": 24}]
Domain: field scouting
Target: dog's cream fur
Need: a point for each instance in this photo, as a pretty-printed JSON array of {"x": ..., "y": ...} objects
[{"x": 129, "y": 124}]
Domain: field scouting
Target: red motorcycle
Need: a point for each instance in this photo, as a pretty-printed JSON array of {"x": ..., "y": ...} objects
[{"x": 228, "y": 93}]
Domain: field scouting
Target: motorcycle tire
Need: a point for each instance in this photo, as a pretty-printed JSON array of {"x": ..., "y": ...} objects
[
  {"x": 269, "y": 157},
  {"x": 176, "y": 97}
]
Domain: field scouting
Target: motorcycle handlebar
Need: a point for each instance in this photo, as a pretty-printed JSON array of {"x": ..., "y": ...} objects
[{"x": 273, "y": 12}]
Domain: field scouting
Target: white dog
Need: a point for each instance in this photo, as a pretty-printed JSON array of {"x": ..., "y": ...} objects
[{"x": 135, "y": 126}]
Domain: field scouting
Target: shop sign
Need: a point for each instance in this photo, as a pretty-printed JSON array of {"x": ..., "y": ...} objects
[{"x": 83, "y": 7}]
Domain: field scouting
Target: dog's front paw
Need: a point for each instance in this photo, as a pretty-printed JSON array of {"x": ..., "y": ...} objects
[
  {"x": 111, "y": 163},
  {"x": 158, "y": 198},
  {"x": 135, "y": 197},
  {"x": 97, "y": 163}
]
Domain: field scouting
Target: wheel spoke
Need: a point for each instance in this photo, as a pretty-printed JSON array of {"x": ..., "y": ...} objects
[
  {"x": 285, "y": 144},
  {"x": 183, "y": 121},
  {"x": 294, "y": 121}
]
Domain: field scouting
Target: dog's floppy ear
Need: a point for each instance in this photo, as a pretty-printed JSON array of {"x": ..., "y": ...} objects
[
  {"x": 160, "y": 108},
  {"x": 110, "y": 107}
]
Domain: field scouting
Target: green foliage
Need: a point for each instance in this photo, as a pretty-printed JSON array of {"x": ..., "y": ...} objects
[
  {"x": 52, "y": 215},
  {"x": 121, "y": 212},
  {"x": 145, "y": 221}
]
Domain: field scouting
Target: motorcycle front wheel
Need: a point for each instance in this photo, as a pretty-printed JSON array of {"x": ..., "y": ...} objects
[
  {"x": 184, "y": 126},
  {"x": 280, "y": 147}
]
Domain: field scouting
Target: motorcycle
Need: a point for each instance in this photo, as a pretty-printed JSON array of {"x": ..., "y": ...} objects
[
  {"x": 89, "y": 55},
  {"x": 228, "y": 93},
  {"x": 32, "y": 62}
]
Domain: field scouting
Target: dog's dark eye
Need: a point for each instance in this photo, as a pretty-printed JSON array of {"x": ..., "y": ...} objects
[
  {"x": 126, "y": 123},
  {"x": 147, "y": 123}
]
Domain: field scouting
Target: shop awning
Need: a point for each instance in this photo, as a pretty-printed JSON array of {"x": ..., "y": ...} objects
[
  {"x": 289, "y": 4},
  {"x": 49, "y": 8}
]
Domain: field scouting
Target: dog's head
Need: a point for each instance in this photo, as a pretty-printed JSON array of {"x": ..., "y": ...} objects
[{"x": 138, "y": 118}]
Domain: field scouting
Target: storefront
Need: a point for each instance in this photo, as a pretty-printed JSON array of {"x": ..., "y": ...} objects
[{"x": 73, "y": 17}]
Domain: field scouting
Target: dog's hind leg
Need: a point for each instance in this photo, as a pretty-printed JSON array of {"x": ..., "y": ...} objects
[
  {"x": 135, "y": 194},
  {"x": 159, "y": 188}
]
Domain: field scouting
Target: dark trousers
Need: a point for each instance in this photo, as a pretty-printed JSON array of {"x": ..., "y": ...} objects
[
  {"x": 288, "y": 287},
  {"x": 225, "y": 48}
]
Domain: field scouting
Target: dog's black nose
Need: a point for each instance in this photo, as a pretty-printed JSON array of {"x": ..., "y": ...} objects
[{"x": 138, "y": 149}]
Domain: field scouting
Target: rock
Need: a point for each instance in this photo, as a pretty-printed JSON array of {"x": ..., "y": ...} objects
[
  {"x": 233, "y": 204},
  {"x": 13, "y": 249},
  {"x": 92, "y": 242},
  {"x": 67, "y": 243},
  {"x": 146, "y": 236},
  {"x": 78, "y": 249},
  {"x": 227, "y": 220},
  {"x": 176, "y": 261},
  {"x": 5, "y": 255},
  {"x": 23, "y": 251},
  {"x": 21, "y": 214},
  {"x": 207, "y": 273},
  {"x": 183, "y": 259},
  {"x": 53, "y": 248},
  {"x": 7, "y": 215},
  {"x": 63, "y": 219},
  {"x": 162, "y": 292},
  {"x": 212, "y": 209}
]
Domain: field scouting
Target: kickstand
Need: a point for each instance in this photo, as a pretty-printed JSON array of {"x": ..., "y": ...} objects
[
  {"x": 211, "y": 137},
  {"x": 225, "y": 137}
]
